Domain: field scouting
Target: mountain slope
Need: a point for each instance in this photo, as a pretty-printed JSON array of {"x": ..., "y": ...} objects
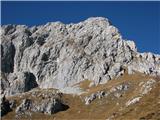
[
  {"x": 110, "y": 106},
  {"x": 89, "y": 60}
]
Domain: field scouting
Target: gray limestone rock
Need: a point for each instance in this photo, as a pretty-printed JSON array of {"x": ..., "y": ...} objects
[
  {"x": 25, "y": 105},
  {"x": 4, "y": 82},
  {"x": 47, "y": 106},
  {"x": 133, "y": 101},
  {"x": 119, "y": 90},
  {"x": 147, "y": 86},
  {"x": 90, "y": 98},
  {"x": 25, "y": 81},
  {"x": 60, "y": 55},
  {"x": 121, "y": 87},
  {"x": 12, "y": 104},
  {"x": 93, "y": 96},
  {"x": 115, "y": 70}
]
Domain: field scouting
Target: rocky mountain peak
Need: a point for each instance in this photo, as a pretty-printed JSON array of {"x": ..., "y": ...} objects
[{"x": 59, "y": 56}]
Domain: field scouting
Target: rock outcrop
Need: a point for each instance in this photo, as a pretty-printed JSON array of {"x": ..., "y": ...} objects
[
  {"x": 116, "y": 91},
  {"x": 22, "y": 82},
  {"x": 147, "y": 87},
  {"x": 47, "y": 106},
  {"x": 56, "y": 55},
  {"x": 133, "y": 101}
]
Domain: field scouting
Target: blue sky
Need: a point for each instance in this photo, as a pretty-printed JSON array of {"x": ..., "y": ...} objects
[{"x": 138, "y": 21}]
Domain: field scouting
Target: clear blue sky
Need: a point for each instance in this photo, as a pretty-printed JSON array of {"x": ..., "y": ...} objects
[{"x": 138, "y": 21}]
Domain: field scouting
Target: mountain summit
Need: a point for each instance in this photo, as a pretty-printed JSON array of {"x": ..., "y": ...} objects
[{"x": 60, "y": 56}]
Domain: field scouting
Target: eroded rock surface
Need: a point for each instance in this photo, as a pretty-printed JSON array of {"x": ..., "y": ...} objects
[
  {"x": 24, "y": 82},
  {"x": 116, "y": 91},
  {"x": 147, "y": 86},
  {"x": 46, "y": 106},
  {"x": 59, "y": 55},
  {"x": 133, "y": 101}
]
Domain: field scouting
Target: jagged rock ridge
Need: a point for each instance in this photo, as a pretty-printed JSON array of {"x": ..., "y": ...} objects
[{"x": 56, "y": 55}]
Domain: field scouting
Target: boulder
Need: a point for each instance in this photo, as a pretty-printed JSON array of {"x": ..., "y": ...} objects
[
  {"x": 93, "y": 96},
  {"x": 133, "y": 101},
  {"x": 90, "y": 98},
  {"x": 50, "y": 106},
  {"x": 121, "y": 87},
  {"x": 47, "y": 106}
]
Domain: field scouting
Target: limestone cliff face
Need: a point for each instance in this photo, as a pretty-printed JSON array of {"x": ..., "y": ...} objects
[{"x": 56, "y": 55}]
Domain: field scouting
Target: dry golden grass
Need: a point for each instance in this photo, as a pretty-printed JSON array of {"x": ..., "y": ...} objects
[
  {"x": 84, "y": 85},
  {"x": 100, "y": 109},
  {"x": 147, "y": 108},
  {"x": 133, "y": 79}
]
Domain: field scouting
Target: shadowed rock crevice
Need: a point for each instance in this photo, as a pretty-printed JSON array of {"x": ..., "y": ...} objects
[
  {"x": 5, "y": 106},
  {"x": 41, "y": 39},
  {"x": 30, "y": 81},
  {"x": 7, "y": 57},
  {"x": 10, "y": 29}
]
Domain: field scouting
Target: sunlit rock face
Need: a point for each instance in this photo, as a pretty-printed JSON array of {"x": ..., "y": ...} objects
[{"x": 59, "y": 55}]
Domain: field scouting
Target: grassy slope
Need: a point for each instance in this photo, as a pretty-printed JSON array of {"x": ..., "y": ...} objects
[{"x": 148, "y": 107}]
